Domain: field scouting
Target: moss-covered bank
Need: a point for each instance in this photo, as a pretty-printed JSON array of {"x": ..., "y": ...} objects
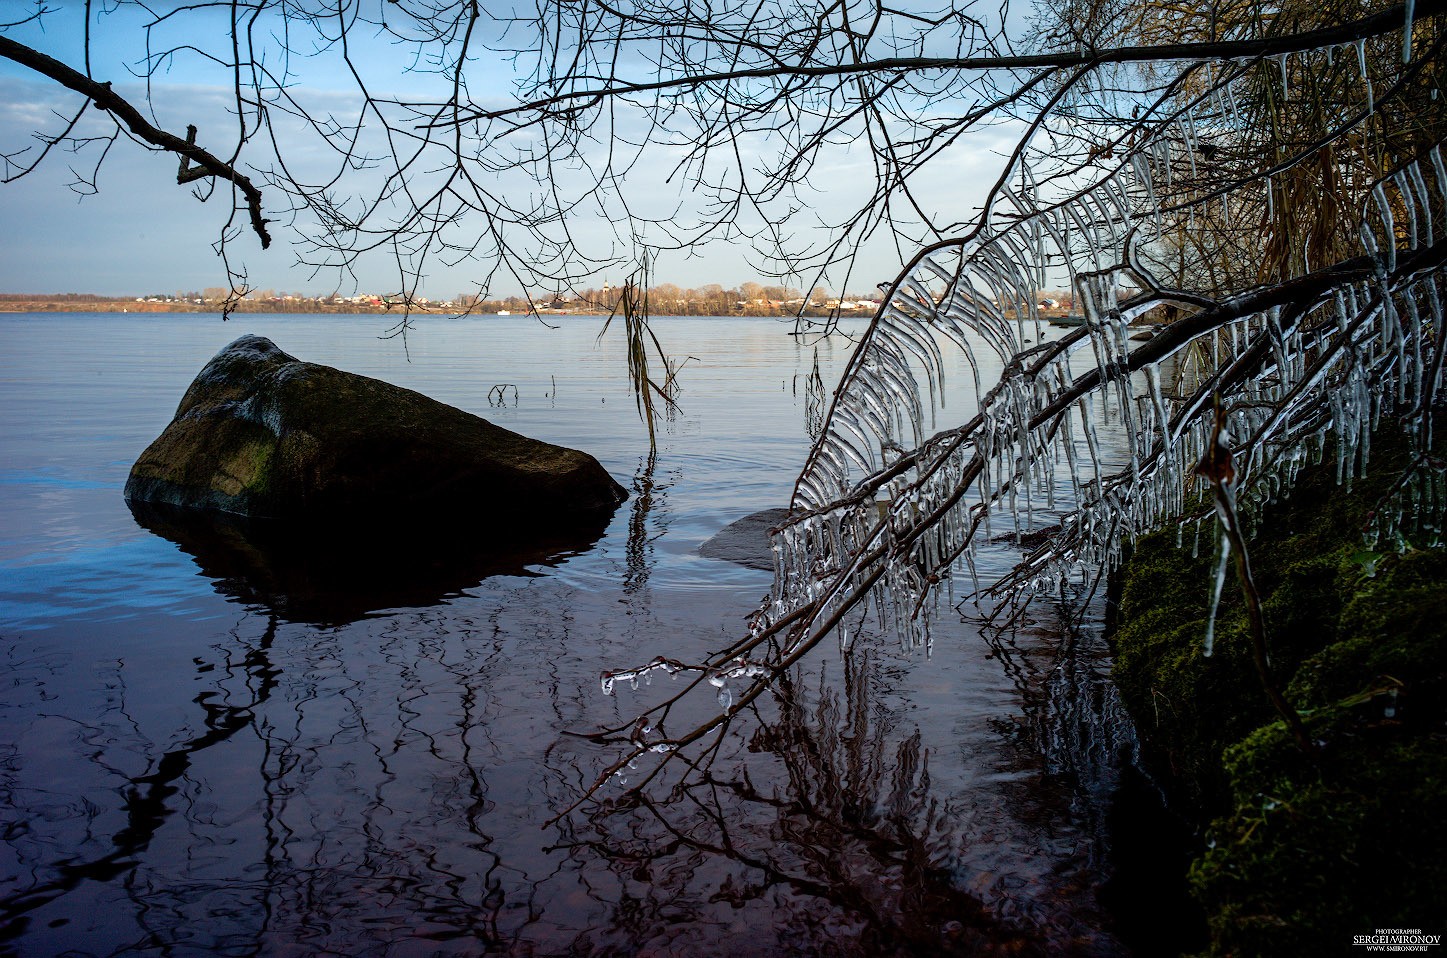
[{"x": 1301, "y": 852}]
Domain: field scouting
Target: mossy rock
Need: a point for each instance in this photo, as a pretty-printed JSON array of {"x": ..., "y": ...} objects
[
  {"x": 1318, "y": 850},
  {"x": 1187, "y": 706},
  {"x": 261, "y": 434},
  {"x": 1304, "y": 850}
]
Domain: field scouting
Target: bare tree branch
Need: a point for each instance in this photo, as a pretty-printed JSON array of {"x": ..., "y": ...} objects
[
  {"x": 1371, "y": 26},
  {"x": 105, "y": 98}
]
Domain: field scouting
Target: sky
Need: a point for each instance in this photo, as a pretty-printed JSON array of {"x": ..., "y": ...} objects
[{"x": 139, "y": 232}]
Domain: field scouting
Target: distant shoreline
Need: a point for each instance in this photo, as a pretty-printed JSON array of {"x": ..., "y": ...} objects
[
  {"x": 10, "y": 303},
  {"x": 123, "y": 306},
  {"x": 42, "y": 305}
]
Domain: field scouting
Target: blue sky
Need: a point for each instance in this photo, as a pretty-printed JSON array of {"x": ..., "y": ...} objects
[{"x": 141, "y": 232}]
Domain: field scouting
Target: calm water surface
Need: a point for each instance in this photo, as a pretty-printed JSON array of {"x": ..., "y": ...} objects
[{"x": 199, "y": 757}]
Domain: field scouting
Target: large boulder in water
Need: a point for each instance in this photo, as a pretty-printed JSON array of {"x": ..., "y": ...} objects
[{"x": 262, "y": 434}]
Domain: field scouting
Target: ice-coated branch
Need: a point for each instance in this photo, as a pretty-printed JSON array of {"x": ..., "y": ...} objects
[
  {"x": 887, "y": 513},
  {"x": 775, "y": 646}
]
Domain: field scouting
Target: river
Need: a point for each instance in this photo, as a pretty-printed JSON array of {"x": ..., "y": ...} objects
[{"x": 201, "y": 758}]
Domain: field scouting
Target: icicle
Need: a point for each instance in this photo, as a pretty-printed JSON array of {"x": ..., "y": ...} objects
[
  {"x": 1436, "y": 154},
  {"x": 1407, "y": 32},
  {"x": 1217, "y": 585},
  {"x": 1402, "y": 180},
  {"x": 1362, "y": 65},
  {"x": 1424, "y": 199},
  {"x": 1380, "y": 196}
]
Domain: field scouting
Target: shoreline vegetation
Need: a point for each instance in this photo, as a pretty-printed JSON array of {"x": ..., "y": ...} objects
[{"x": 1297, "y": 853}]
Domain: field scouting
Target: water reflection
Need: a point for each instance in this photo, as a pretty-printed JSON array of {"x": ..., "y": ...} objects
[
  {"x": 147, "y": 800},
  {"x": 291, "y": 773},
  {"x": 639, "y": 548},
  {"x": 815, "y": 825},
  {"x": 333, "y": 574}
]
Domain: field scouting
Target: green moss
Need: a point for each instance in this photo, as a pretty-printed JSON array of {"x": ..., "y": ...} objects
[
  {"x": 1303, "y": 851},
  {"x": 1314, "y": 852},
  {"x": 246, "y": 471}
]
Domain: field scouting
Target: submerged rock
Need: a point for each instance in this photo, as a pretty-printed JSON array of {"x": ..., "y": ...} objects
[
  {"x": 746, "y": 540},
  {"x": 262, "y": 434}
]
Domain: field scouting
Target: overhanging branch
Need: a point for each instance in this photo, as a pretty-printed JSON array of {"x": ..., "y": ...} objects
[
  {"x": 101, "y": 94},
  {"x": 1375, "y": 25}
]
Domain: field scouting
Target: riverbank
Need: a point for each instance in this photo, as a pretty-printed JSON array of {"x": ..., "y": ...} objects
[
  {"x": 140, "y": 306},
  {"x": 85, "y": 303},
  {"x": 313, "y": 308},
  {"x": 1299, "y": 853}
]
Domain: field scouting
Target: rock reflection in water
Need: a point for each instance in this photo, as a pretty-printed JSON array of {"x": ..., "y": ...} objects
[{"x": 332, "y": 574}]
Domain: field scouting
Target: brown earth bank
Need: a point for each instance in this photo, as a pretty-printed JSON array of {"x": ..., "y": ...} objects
[
  {"x": 10, "y": 304},
  {"x": 38, "y": 305},
  {"x": 131, "y": 306}
]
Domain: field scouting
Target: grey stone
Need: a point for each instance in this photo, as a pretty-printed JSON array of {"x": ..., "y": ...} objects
[{"x": 746, "y": 541}]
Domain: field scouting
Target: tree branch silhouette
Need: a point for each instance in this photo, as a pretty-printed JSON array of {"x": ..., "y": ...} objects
[{"x": 105, "y": 98}]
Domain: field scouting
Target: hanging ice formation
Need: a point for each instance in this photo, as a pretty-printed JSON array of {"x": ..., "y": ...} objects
[
  {"x": 886, "y": 511},
  {"x": 1322, "y": 355}
]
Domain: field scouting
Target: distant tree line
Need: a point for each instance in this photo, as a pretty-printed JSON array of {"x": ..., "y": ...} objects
[
  {"x": 670, "y": 299},
  {"x": 54, "y": 297}
]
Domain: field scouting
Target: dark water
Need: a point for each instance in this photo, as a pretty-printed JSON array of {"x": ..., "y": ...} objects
[{"x": 320, "y": 750}]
